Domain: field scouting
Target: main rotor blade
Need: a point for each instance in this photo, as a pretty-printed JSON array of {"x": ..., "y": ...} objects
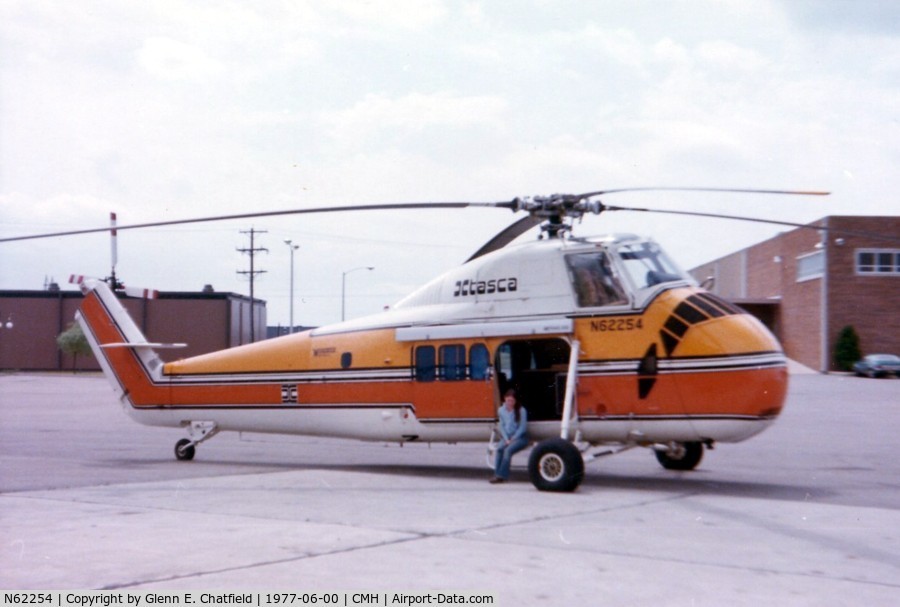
[
  {"x": 338, "y": 209},
  {"x": 505, "y": 237},
  {"x": 692, "y": 189},
  {"x": 791, "y": 224}
]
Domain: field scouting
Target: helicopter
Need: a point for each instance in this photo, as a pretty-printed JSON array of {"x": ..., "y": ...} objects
[{"x": 608, "y": 344}]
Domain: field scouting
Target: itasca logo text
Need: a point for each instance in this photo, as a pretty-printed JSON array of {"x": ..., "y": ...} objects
[{"x": 482, "y": 287}]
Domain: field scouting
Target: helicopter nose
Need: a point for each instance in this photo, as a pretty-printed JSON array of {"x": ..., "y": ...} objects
[{"x": 728, "y": 365}]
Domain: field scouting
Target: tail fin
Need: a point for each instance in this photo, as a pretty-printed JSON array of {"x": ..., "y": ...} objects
[{"x": 128, "y": 360}]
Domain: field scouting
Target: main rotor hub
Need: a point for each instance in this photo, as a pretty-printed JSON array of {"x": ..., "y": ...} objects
[{"x": 556, "y": 209}]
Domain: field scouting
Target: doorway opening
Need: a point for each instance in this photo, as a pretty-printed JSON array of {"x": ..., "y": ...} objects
[{"x": 536, "y": 369}]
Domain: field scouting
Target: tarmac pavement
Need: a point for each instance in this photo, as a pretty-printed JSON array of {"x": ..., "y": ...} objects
[{"x": 808, "y": 513}]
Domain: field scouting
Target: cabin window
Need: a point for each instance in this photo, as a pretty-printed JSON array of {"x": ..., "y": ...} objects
[
  {"x": 346, "y": 360},
  {"x": 425, "y": 363},
  {"x": 448, "y": 363},
  {"x": 479, "y": 362},
  {"x": 453, "y": 362},
  {"x": 594, "y": 281}
]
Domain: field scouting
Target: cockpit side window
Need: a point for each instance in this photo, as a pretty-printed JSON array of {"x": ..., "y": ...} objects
[
  {"x": 648, "y": 265},
  {"x": 594, "y": 281}
]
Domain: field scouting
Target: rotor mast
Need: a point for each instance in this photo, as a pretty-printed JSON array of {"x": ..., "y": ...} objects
[{"x": 113, "y": 251}]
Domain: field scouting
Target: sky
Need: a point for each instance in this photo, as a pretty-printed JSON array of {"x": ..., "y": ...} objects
[{"x": 162, "y": 110}]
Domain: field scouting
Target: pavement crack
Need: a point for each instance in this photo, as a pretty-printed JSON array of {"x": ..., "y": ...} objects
[{"x": 260, "y": 564}]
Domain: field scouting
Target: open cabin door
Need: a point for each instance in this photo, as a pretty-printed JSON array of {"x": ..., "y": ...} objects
[{"x": 536, "y": 369}]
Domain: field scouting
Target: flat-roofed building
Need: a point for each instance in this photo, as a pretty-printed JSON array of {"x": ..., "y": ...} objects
[
  {"x": 806, "y": 285},
  {"x": 206, "y": 321}
]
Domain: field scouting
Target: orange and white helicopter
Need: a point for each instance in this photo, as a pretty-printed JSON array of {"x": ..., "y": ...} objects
[{"x": 608, "y": 344}]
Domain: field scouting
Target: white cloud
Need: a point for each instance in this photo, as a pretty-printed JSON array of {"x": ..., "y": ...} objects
[
  {"x": 668, "y": 51},
  {"x": 410, "y": 114},
  {"x": 473, "y": 12},
  {"x": 620, "y": 45},
  {"x": 174, "y": 60},
  {"x": 399, "y": 14},
  {"x": 729, "y": 56}
]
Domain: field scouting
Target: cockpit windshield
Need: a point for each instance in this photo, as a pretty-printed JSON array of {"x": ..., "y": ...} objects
[
  {"x": 647, "y": 265},
  {"x": 594, "y": 280}
]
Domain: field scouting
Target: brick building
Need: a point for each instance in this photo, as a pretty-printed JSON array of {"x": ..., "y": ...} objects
[
  {"x": 206, "y": 321},
  {"x": 806, "y": 286}
]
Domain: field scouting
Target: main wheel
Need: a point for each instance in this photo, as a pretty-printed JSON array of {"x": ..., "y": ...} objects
[
  {"x": 686, "y": 457},
  {"x": 184, "y": 450},
  {"x": 556, "y": 465}
]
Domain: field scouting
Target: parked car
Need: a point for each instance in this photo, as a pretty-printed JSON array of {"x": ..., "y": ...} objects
[{"x": 878, "y": 365}]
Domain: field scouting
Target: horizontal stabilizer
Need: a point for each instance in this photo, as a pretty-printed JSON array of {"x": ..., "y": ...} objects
[{"x": 143, "y": 344}]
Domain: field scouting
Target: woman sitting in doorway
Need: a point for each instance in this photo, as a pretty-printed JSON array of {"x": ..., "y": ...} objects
[{"x": 513, "y": 435}]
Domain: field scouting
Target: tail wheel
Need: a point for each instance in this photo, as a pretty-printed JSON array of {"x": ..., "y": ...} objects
[
  {"x": 556, "y": 465},
  {"x": 686, "y": 456},
  {"x": 184, "y": 450}
]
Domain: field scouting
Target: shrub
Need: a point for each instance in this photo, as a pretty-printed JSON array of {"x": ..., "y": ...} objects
[
  {"x": 846, "y": 349},
  {"x": 72, "y": 341}
]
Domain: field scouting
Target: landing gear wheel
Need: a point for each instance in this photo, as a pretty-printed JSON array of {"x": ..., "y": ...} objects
[
  {"x": 686, "y": 457},
  {"x": 556, "y": 465},
  {"x": 184, "y": 450}
]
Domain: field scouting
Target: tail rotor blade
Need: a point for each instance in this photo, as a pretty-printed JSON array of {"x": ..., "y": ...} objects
[{"x": 140, "y": 293}]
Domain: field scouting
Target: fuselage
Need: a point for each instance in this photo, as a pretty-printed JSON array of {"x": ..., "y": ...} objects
[{"x": 659, "y": 359}]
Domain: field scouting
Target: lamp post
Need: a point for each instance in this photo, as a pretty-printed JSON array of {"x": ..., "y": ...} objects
[
  {"x": 344, "y": 287},
  {"x": 293, "y": 247}
]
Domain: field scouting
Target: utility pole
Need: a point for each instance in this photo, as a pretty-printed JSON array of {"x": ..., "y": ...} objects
[{"x": 252, "y": 251}]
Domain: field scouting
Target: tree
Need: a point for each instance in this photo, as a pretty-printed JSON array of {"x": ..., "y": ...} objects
[
  {"x": 72, "y": 341},
  {"x": 846, "y": 349}
]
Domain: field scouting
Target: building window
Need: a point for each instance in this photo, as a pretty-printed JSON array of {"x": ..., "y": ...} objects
[
  {"x": 878, "y": 262},
  {"x": 810, "y": 266}
]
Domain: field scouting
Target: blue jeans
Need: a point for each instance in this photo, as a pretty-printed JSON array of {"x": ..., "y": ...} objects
[{"x": 504, "y": 456}]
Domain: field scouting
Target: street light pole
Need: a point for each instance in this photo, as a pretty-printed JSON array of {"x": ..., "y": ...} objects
[
  {"x": 344, "y": 287},
  {"x": 293, "y": 247}
]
